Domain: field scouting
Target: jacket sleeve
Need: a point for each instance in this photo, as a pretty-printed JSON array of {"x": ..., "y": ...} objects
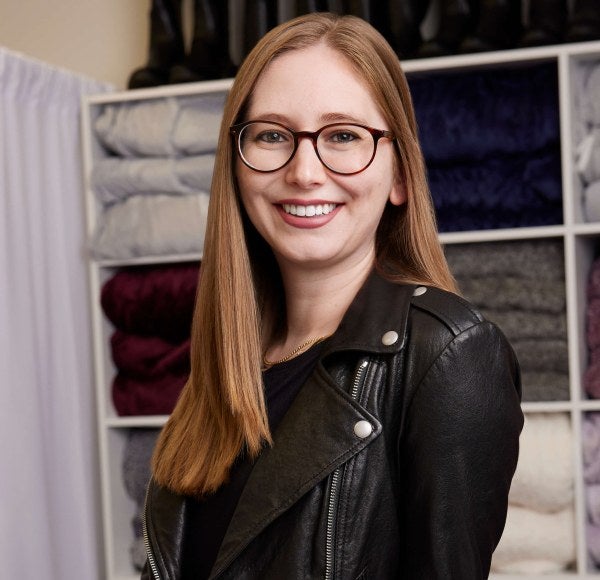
[{"x": 457, "y": 455}]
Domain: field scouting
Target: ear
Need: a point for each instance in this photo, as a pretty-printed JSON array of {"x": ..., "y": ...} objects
[{"x": 397, "y": 193}]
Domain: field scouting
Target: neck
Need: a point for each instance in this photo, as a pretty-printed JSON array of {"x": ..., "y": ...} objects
[{"x": 317, "y": 299}]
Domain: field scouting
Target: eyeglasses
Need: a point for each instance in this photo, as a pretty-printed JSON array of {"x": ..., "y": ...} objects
[{"x": 344, "y": 148}]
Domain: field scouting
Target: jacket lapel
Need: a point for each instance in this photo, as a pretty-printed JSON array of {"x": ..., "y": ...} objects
[{"x": 315, "y": 437}]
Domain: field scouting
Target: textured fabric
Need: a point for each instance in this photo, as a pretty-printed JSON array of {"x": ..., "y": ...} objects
[
  {"x": 544, "y": 477},
  {"x": 155, "y": 300},
  {"x": 591, "y": 201},
  {"x": 114, "y": 179},
  {"x": 151, "y": 225},
  {"x": 536, "y": 543}
]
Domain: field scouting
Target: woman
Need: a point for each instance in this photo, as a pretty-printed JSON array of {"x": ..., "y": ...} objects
[{"x": 347, "y": 415}]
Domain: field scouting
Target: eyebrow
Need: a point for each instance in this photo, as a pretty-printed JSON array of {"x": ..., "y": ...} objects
[{"x": 333, "y": 117}]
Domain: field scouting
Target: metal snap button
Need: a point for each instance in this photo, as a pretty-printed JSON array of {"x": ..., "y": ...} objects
[
  {"x": 363, "y": 429},
  {"x": 419, "y": 290},
  {"x": 389, "y": 338}
]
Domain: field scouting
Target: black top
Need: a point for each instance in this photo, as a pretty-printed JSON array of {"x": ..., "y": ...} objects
[{"x": 207, "y": 519}]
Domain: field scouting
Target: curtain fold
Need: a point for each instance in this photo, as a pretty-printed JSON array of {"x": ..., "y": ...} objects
[{"x": 50, "y": 524}]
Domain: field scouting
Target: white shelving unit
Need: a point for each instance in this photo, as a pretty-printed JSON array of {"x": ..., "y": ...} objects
[{"x": 581, "y": 245}]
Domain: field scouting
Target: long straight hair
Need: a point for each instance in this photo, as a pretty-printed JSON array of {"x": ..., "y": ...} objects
[{"x": 221, "y": 412}]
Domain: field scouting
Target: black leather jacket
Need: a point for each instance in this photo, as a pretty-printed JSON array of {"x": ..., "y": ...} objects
[{"x": 394, "y": 461}]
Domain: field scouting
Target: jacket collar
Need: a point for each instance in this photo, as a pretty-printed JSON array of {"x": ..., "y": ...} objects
[
  {"x": 379, "y": 307},
  {"x": 298, "y": 461}
]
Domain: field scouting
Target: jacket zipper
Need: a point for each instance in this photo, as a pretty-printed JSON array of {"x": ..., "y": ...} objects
[
  {"x": 149, "y": 553},
  {"x": 335, "y": 486}
]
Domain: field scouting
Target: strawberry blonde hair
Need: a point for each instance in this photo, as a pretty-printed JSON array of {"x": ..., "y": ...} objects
[{"x": 221, "y": 412}]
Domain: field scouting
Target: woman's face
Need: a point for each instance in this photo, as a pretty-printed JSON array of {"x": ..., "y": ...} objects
[{"x": 304, "y": 90}]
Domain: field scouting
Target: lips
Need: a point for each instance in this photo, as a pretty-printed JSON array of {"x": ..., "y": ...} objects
[{"x": 308, "y": 210}]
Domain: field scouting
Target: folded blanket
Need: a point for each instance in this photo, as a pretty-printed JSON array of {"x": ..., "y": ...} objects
[
  {"x": 545, "y": 386},
  {"x": 592, "y": 533},
  {"x": 538, "y": 259},
  {"x": 535, "y": 543},
  {"x": 515, "y": 293},
  {"x": 587, "y": 154},
  {"x": 155, "y": 300},
  {"x": 593, "y": 285},
  {"x": 593, "y": 323},
  {"x": 198, "y": 122},
  {"x": 591, "y": 377},
  {"x": 114, "y": 179},
  {"x": 543, "y": 480},
  {"x": 518, "y": 107},
  {"x": 591, "y": 202},
  {"x": 147, "y": 396},
  {"x": 138, "y": 128},
  {"x": 137, "y": 455},
  {"x": 592, "y": 503},
  {"x": 590, "y": 440},
  {"x": 590, "y": 106},
  {"x": 151, "y": 225},
  {"x": 542, "y": 354},
  {"x": 519, "y": 324},
  {"x": 148, "y": 356}
]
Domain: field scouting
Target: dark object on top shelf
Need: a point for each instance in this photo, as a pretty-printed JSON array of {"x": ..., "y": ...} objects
[
  {"x": 400, "y": 23},
  {"x": 166, "y": 45},
  {"x": 584, "y": 22},
  {"x": 168, "y": 62},
  {"x": 547, "y": 23},
  {"x": 259, "y": 17}
]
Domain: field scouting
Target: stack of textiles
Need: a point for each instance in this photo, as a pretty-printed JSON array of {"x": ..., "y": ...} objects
[
  {"x": 153, "y": 183},
  {"x": 135, "y": 470},
  {"x": 491, "y": 143},
  {"x": 539, "y": 537},
  {"x": 520, "y": 285},
  {"x": 151, "y": 309},
  {"x": 591, "y": 378},
  {"x": 587, "y": 114},
  {"x": 590, "y": 435}
]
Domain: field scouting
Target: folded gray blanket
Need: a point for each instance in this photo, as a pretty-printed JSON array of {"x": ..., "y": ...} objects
[
  {"x": 542, "y": 354},
  {"x": 590, "y": 112},
  {"x": 545, "y": 386},
  {"x": 530, "y": 259},
  {"x": 518, "y": 324},
  {"x": 114, "y": 179},
  {"x": 588, "y": 156},
  {"x": 163, "y": 127},
  {"x": 508, "y": 292},
  {"x": 151, "y": 225},
  {"x": 591, "y": 202}
]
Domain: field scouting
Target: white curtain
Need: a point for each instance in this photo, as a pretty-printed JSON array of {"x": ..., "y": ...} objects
[{"x": 49, "y": 516}]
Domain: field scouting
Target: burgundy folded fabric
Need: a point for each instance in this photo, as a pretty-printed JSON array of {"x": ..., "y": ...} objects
[
  {"x": 149, "y": 396},
  {"x": 149, "y": 356},
  {"x": 593, "y": 323},
  {"x": 593, "y": 289},
  {"x": 153, "y": 300}
]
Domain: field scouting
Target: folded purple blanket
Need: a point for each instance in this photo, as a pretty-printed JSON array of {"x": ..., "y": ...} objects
[{"x": 153, "y": 300}]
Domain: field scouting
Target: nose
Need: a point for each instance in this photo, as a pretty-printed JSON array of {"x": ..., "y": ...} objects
[{"x": 305, "y": 168}]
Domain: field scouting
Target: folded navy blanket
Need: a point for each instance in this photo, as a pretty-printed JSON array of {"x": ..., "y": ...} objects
[
  {"x": 468, "y": 116},
  {"x": 503, "y": 192},
  {"x": 155, "y": 300}
]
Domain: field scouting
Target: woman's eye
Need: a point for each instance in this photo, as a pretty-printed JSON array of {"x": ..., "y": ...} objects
[
  {"x": 271, "y": 137},
  {"x": 343, "y": 137}
]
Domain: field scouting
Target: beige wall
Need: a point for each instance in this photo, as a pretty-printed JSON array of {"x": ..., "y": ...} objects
[{"x": 102, "y": 39}]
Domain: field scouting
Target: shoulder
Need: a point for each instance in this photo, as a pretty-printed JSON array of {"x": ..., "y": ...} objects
[{"x": 448, "y": 310}]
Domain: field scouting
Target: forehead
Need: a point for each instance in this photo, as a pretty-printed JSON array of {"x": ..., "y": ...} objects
[{"x": 311, "y": 83}]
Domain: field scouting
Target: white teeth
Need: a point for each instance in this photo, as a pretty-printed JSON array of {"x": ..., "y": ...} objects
[{"x": 309, "y": 210}]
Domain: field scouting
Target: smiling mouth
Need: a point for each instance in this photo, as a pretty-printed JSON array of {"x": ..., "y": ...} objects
[{"x": 309, "y": 210}]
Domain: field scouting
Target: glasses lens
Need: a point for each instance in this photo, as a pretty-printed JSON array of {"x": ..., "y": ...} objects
[
  {"x": 346, "y": 148},
  {"x": 265, "y": 146}
]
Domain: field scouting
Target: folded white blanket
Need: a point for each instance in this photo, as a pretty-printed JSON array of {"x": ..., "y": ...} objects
[
  {"x": 535, "y": 543},
  {"x": 138, "y": 128},
  {"x": 543, "y": 480},
  {"x": 116, "y": 178},
  {"x": 198, "y": 122},
  {"x": 591, "y": 202},
  {"x": 591, "y": 103},
  {"x": 162, "y": 127},
  {"x": 152, "y": 225}
]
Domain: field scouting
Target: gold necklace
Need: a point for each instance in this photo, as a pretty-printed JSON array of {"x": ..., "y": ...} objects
[{"x": 310, "y": 342}]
